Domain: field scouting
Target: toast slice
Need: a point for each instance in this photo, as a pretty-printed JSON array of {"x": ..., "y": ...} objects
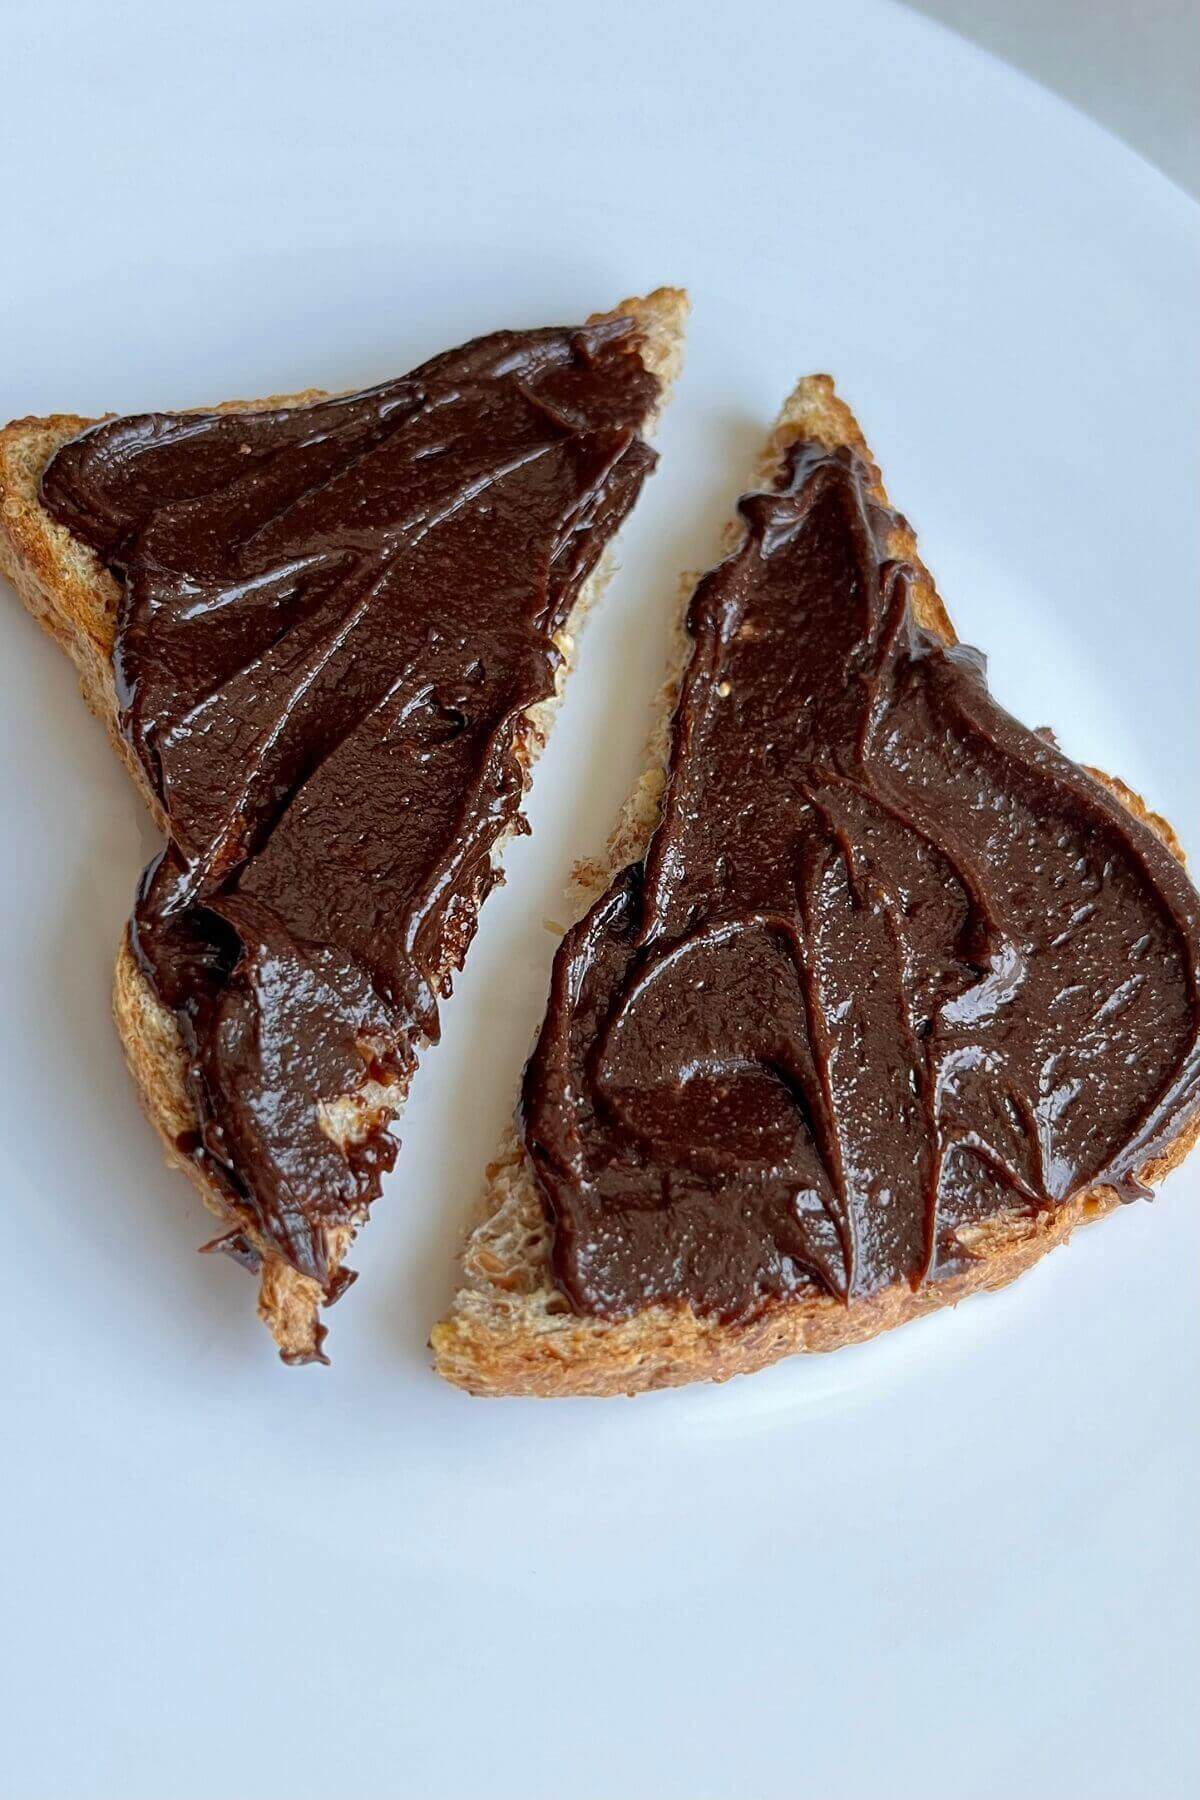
[
  {"x": 514, "y": 1330},
  {"x": 72, "y": 594}
]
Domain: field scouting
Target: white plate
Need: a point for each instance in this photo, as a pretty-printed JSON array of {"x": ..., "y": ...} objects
[{"x": 958, "y": 1562}]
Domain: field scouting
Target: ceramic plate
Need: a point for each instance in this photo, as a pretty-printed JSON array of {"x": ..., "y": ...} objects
[{"x": 957, "y": 1562}]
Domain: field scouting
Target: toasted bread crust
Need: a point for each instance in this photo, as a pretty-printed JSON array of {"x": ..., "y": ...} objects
[
  {"x": 72, "y": 596},
  {"x": 510, "y": 1330}
]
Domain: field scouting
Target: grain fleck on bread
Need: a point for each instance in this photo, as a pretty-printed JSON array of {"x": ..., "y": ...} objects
[
  {"x": 512, "y": 1331},
  {"x": 67, "y": 589}
]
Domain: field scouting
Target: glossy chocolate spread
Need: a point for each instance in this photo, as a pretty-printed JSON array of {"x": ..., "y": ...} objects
[
  {"x": 332, "y": 620},
  {"x": 892, "y": 964}
]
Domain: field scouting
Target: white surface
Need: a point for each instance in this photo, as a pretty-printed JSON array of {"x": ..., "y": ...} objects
[
  {"x": 959, "y": 1563},
  {"x": 1134, "y": 65}
]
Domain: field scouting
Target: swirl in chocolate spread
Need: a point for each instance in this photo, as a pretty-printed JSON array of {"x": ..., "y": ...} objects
[
  {"x": 332, "y": 620},
  {"x": 891, "y": 965}
]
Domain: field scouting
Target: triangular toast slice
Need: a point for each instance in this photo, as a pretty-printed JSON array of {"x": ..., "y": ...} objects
[
  {"x": 875, "y": 998},
  {"x": 326, "y": 635}
]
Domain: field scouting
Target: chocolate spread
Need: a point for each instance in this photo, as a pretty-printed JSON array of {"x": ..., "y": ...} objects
[
  {"x": 332, "y": 620},
  {"x": 891, "y": 965}
]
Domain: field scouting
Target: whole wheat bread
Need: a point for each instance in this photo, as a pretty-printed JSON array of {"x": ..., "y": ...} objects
[
  {"x": 512, "y": 1331},
  {"x": 70, "y": 593}
]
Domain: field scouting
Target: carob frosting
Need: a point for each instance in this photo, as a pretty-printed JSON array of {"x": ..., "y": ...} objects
[
  {"x": 892, "y": 964},
  {"x": 332, "y": 620}
]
